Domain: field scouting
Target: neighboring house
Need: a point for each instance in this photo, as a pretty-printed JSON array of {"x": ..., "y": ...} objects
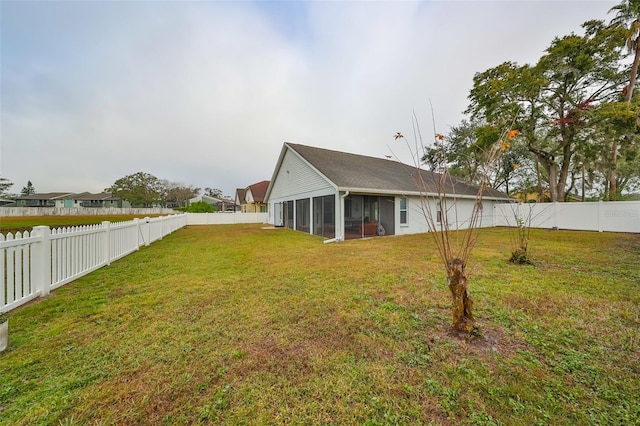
[
  {"x": 103, "y": 199},
  {"x": 50, "y": 199},
  {"x": 69, "y": 200},
  {"x": 240, "y": 193},
  {"x": 531, "y": 197},
  {"x": 221, "y": 204},
  {"x": 534, "y": 197},
  {"x": 252, "y": 198},
  {"x": 342, "y": 196}
]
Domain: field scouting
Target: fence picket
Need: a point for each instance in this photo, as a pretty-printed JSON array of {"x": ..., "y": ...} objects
[
  {"x": 11, "y": 290},
  {"x": 18, "y": 284},
  {"x": 33, "y": 264},
  {"x": 3, "y": 286}
]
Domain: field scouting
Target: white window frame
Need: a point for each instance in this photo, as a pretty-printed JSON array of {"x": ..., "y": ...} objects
[{"x": 404, "y": 210}]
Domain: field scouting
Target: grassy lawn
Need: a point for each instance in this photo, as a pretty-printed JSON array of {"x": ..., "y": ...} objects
[
  {"x": 22, "y": 223},
  {"x": 243, "y": 325}
]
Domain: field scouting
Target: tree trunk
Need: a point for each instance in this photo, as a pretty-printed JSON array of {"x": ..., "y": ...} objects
[
  {"x": 582, "y": 198},
  {"x": 540, "y": 190},
  {"x": 461, "y": 303},
  {"x": 633, "y": 77}
]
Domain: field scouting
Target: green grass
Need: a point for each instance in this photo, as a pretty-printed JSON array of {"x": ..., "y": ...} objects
[
  {"x": 243, "y": 325},
  {"x": 22, "y": 223}
]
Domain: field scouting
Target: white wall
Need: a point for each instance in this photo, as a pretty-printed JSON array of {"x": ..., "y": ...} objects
[
  {"x": 225, "y": 218},
  {"x": 458, "y": 214},
  {"x": 295, "y": 180},
  {"x": 610, "y": 216}
]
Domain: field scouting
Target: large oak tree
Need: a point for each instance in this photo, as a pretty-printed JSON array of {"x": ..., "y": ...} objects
[
  {"x": 553, "y": 100},
  {"x": 140, "y": 189},
  {"x": 628, "y": 18}
]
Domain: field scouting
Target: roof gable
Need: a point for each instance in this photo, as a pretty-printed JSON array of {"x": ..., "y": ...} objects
[
  {"x": 258, "y": 191},
  {"x": 240, "y": 195}
]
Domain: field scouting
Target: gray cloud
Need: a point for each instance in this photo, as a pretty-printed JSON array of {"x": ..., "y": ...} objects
[{"x": 206, "y": 93}]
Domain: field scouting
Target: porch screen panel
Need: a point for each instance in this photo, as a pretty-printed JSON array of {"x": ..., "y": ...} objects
[
  {"x": 324, "y": 216},
  {"x": 387, "y": 215},
  {"x": 289, "y": 214},
  {"x": 353, "y": 216},
  {"x": 303, "y": 215}
]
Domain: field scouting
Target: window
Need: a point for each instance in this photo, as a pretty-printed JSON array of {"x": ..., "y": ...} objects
[
  {"x": 403, "y": 211},
  {"x": 263, "y": 208},
  {"x": 439, "y": 213}
]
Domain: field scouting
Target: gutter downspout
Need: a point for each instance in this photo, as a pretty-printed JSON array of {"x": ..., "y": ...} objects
[{"x": 341, "y": 237}]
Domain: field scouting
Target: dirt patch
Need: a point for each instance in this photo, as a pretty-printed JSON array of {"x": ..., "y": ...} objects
[
  {"x": 533, "y": 306},
  {"x": 630, "y": 242},
  {"x": 492, "y": 340},
  {"x": 295, "y": 351},
  {"x": 487, "y": 342}
]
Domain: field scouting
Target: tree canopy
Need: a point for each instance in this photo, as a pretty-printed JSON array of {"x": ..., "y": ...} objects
[
  {"x": 178, "y": 194},
  {"x": 28, "y": 190},
  {"x": 5, "y": 184},
  {"x": 213, "y": 192},
  {"x": 146, "y": 190},
  {"x": 570, "y": 112},
  {"x": 140, "y": 189}
]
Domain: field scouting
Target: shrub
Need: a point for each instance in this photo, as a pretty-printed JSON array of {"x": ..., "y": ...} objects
[{"x": 200, "y": 207}]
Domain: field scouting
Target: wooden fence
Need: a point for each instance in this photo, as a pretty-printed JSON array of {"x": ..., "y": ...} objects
[{"x": 33, "y": 264}]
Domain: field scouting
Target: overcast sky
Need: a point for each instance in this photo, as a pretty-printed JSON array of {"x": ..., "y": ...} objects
[{"x": 205, "y": 93}]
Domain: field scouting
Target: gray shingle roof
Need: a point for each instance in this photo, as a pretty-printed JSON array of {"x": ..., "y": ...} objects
[
  {"x": 369, "y": 174},
  {"x": 46, "y": 196},
  {"x": 102, "y": 196},
  {"x": 70, "y": 196}
]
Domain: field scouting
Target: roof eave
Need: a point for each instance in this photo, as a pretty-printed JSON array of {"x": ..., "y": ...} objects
[{"x": 417, "y": 193}]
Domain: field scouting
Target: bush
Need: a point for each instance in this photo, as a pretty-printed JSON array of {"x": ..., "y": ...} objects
[
  {"x": 520, "y": 257},
  {"x": 199, "y": 207}
]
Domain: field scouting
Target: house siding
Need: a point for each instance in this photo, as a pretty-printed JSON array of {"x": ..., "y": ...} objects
[
  {"x": 296, "y": 180},
  {"x": 458, "y": 215},
  {"x": 296, "y": 177}
]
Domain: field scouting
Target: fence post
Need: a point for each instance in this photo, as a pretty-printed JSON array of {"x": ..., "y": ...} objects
[
  {"x": 493, "y": 217},
  {"x": 148, "y": 231},
  {"x": 42, "y": 260},
  {"x": 106, "y": 242},
  {"x": 161, "y": 227},
  {"x": 600, "y": 215}
]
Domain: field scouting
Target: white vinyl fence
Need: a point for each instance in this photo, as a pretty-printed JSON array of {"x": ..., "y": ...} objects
[
  {"x": 226, "y": 218},
  {"x": 610, "y": 216},
  {"x": 31, "y": 265}
]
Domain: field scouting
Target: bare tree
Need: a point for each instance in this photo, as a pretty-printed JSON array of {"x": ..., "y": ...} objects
[{"x": 454, "y": 245}]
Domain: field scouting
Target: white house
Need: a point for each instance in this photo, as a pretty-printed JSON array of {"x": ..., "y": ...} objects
[{"x": 342, "y": 196}]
